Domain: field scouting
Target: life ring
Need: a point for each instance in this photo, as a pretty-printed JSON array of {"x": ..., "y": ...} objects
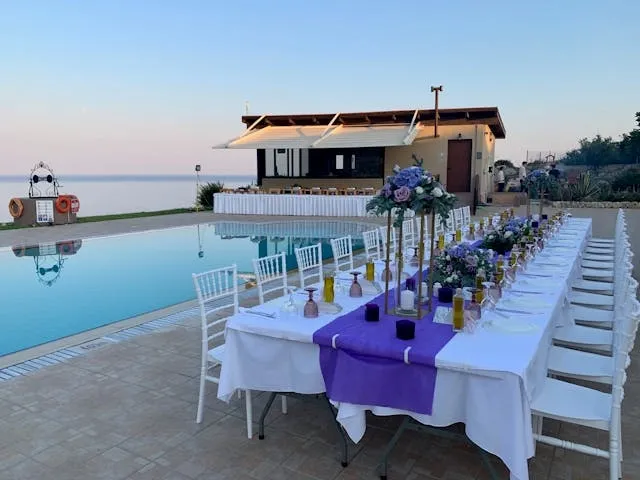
[
  {"x": 63, "y": 204},
  {"x": 66, "y": 248},
  {"x": 19, "y": 250},
  {"x": 16, "y": 207}
]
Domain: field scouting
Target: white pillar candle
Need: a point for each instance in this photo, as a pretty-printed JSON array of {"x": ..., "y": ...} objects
[
  {"x": 425, "y": 290},
  {"x": 407, "y": 298}
]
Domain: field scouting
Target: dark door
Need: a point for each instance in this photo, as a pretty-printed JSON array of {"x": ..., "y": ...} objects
[{"x": 459, "y": 166}]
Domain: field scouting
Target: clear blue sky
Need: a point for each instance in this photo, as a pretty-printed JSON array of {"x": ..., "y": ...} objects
[{"x": 135, "y": 86}]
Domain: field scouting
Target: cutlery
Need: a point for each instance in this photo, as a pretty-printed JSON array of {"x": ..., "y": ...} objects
[{"x": 261, "y": 314}]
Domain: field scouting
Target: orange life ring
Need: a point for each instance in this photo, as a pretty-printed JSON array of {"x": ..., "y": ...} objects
[
  {"x": 16, "y": 207},
  {"x": 65, "y": 248},
  {"x": 63, "y": 204}
]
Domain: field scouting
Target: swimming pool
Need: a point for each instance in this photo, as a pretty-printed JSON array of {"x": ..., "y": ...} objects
[{"x": 51, "y": 291}]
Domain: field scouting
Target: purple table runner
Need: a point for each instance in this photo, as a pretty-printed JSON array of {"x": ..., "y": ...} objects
[{"x": 367, "y": 365}]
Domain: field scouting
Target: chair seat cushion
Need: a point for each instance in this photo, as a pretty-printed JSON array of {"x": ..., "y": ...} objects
[
  {"x": 216, "y": 354},
  {"x": 594, "y": 299},
  {"x": 587, "y": 314},
  {"x": 562, "y": 400},
  {"x": 593, "y": 286},
  {"x": 579, "y": 364}
]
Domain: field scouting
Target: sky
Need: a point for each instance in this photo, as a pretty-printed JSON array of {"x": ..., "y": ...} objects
[{"x": 148, "y": 86}]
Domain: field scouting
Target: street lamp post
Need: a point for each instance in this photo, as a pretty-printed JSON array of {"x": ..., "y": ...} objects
[
  {"x": 197, "y": 184},
  {"x": 437, "y": 91}
]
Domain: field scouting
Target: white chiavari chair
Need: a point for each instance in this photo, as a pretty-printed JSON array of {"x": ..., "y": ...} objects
[
  {"x": 371, "y": 245},
  {"x": 271, "y": 275},
  {"x": 309, "y": 260},
  {"x": 342, "y": 249}
]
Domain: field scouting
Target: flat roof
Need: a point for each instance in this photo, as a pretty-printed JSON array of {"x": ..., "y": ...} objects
[{"x": 489, "y": 116}]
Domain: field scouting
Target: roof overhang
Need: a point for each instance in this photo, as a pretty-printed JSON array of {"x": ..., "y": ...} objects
[
  {"x": 489, "y": 116},
  {"x": 329, "y": 135}
]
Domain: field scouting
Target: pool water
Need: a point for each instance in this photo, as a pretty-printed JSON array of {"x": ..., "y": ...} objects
[{"x": 51, "y": 291}]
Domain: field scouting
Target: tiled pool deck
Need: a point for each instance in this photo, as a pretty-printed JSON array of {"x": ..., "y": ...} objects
[{"x": 126, "y": 410}]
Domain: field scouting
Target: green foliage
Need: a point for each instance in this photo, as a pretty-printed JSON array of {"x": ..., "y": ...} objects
[
  {"x": 584, "y": 189},
  {"x": 621, "y": 197},
  {"x": 205, "y": 194},
  {"x": 504, "y": 163},
  {"x": 596, "y": 152},
  {"x": 627, "y": 180}
]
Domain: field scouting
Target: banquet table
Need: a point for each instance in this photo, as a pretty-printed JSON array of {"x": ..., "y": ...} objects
[
  {"x": 292, "y": 205},
  {"x": 484, "y": 379}
]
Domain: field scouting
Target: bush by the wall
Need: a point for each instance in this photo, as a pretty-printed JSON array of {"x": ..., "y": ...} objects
[{"x": 205, "y": 194}]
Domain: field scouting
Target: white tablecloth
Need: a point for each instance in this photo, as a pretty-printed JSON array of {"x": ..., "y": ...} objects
[
  {"x": 294, "y": 205},
  {"x": 485, "y": 379}
]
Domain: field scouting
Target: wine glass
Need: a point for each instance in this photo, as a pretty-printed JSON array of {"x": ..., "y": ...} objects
[
  {"x": 311, "y": 307},
  {"x": 290, "y": 305},
  {"x": 356, "y": 288}
]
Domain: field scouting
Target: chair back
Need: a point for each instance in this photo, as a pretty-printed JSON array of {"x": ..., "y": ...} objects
[
  {"x": 408, "y": 233},
  {"x": 383, "y": 243},
  {"x": 342, "y": 253},
  {"x": 371, "y": 245},
  {"x": 438, "y": 228},
  {"x": 271, "y": 274},
  {"x": 466, "y": 215},
  {"x": 309, "y": 261},
  {"x": 457, "y": 218},
  {"x": 215, "y": 290}
]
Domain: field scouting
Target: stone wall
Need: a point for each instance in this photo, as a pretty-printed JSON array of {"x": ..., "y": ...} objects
[{"x": 595, "y": 204}]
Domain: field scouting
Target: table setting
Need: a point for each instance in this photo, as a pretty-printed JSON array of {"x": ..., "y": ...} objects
[{"x": 474, "y": 356}]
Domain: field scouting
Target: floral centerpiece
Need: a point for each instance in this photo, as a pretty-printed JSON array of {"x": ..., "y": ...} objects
[
  {"x": 412, "y": 188},
  {"x": 458, "y": 266},
  {"x": 537, "y": 182},
  {"x": 505, "y": 236}
]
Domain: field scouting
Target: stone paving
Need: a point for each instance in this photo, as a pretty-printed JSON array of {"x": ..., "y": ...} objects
[{"x": 127, "y": 411}]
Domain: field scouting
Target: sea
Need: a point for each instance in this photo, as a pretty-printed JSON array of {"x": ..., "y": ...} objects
[{"x": 111, "y": 194}]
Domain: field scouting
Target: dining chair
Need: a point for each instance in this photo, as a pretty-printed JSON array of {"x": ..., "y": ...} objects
[
  {"x": 408, "y": 233},
  {"x": 466, "y": 215},
  {"x": 383, "y": 243},
  {"x": 271, "y": 274},
  {"x": 457, "y": 218},
  {"x": 579, "y": 405},
  {"x": 216, "y": 290},
  {"x": 371, "y": 245},
  {"x": 309, "y": 261},
  {"x": 342, "y": 249}
]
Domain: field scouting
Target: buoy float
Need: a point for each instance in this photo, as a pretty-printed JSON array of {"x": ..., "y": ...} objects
[
  {"x": 16, "y": 207},
  {"x": 63, "y": 204}
]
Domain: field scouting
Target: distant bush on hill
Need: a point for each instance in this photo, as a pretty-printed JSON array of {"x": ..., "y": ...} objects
[{"x": 205, "y": 194}]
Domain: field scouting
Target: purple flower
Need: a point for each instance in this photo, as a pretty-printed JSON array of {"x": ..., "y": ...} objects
[
  {"x": 402, "y": 194},
  {"x": 386, "y": 190},
  {"x": 472, "y": 261},
  {"x": 409, "y": 177}
]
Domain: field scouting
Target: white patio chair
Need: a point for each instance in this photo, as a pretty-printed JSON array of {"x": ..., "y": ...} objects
[
  {"x": 449, "y": 224},
  {"x": 457, "y": 218},
  {"x": 439, "y": 228},
  {"x": 371, "y": 245},
  {"x": 309, "y": 261},
  {"x": 383, "y": 243},
  {"x": 408, "y": 233},
  {"x": 466, "y": 215},
  {"x": 427, "y": 239},
  {"x": 271, "y": 274},
  {"x": 216, "y": 290},
  {"x": 342, "y": 249},
  {"x": 587, "y": 407}
]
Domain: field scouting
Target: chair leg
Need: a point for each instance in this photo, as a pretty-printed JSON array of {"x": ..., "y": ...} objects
[
  {"x": 249, "y": 405},
  {"x": 284, "y": 404},
  {"x": 614, "y": 459},
  {"x": 203, "y": 381}
]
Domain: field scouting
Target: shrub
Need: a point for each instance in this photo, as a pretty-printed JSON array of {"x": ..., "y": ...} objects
[
  {"x": 584, "y": 189},
  {"x": 627, "y": 180},
  {"x": 205, "y": 194},
  {"x": 621, "y": 197}
]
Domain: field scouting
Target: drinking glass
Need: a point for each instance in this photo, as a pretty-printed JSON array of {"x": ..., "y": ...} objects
[
  {"x": 290, "y": 305},
  {"x": 356, "y": 288},
  {"x": 370, "y": 274},
  {"x": 311, "y": 307}
]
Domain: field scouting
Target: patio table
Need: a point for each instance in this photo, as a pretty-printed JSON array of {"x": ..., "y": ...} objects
[
  {"x": 484, "y": 379},
  {"x": 292, "y": 204}
]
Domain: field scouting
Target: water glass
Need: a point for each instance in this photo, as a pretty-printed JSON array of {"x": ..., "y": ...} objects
[{"x": 328, "y": 291}]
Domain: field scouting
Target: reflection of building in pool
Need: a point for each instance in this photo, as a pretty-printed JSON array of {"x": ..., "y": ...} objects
[{"x": 48, "y": 258}]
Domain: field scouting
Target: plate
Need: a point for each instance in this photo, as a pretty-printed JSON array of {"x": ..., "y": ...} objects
[
  {"x": 526, "y": 304},
  {"x": 511, "y": 325}
]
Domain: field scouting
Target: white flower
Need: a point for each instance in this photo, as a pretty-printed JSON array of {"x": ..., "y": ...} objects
[
  {"x": 437, "y": 192},
  {"x": 508, "y": 234},
  {"x": 448, "y": 280},
  {"x": 396, "y": 168},
  {"x": 448, "y": 258},
  {"x": 419, "y": 190}
]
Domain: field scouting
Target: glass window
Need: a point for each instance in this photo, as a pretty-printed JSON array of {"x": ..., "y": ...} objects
[{"x": 339, "y": 162}]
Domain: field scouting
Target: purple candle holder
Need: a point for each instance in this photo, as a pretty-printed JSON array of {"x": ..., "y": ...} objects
[
  {"x": 410, "y": 284},
  {"x": 405, "y": 329},
  {"x": 534, "y": 224},
  {"x": 545, "y": 216},
  {"x": 445, "y": 295},
  {"x": 371, "y": 312}
]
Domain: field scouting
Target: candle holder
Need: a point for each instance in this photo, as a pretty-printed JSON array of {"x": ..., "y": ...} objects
[
  {"x": 405, "y": 329},
  {"x": 371, "y": 312},
  {"x": 311, "y": 307},
  {"x": 356, "y": 289}
]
